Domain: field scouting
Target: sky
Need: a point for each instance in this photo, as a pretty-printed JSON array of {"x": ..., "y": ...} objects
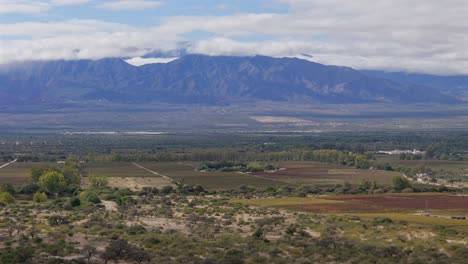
[{"x": 425, "y": 36}]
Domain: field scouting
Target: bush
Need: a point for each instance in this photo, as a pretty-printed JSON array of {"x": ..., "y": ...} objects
[
  {"x": 167, "y": 190},
  {"x": 89, "y": 197},
  {"x": 75, "y": 201},
  {"x": 40, "y": 197},
  {"x": 6, "y": 198},
  {"x": 98, "y": 182},
  {"x": 7, "y": 187},
  {"x": 378, "y": 191},
  {"x": 255, "y": 167},
  {"x": 407, "y": 190},
  {"x": 382, "y": 220},
  {"x": 400, "y": 183},
  {"x": 29, "y": 188},
  {"x": 56, "y": 220}
]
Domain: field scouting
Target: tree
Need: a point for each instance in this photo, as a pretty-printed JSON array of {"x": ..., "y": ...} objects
[
  {"x": 400, "y": 183},
  {"x": 40, "y": 197},
  {"x": 137, "y": 254},
  {"x": 6, "y": 198},
  {"x": 89, "y": 252},
  {"x": 117, "y": 249},
  {"x": 71, "y": 175},
  {"x": 7, "y": 187},
  {"x": 361, "y": 162},
  {"x": 37, "y": 172},
  {"x": 430, "y": 152},
  {"x": 52, "y": 182}
]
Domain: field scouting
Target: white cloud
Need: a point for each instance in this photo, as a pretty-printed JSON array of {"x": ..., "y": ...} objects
[
  {"x": 89, "y": 45},
  {"x": 28, "y": 7},
  {"x": 420, "y": 35},
  {"x": 34, "y": 6},
  {"x": 39, "y": 29},
  {"x": 427, "y": 36},
  {"x": 68, "y": 2},
  {"x": 130, "y": 5}
]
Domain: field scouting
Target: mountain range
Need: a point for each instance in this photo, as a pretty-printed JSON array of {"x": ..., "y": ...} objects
[{"x": 208, "y": 80}]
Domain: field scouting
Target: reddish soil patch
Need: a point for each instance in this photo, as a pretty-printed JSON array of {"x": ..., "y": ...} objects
[
  {"x": 388, "y": 203},
  {"x": 338, "y": 208},
  {"x": 408, "y": 201}
]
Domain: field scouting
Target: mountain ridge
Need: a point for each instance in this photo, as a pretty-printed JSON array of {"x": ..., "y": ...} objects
[{"x": 204, "y": 79}]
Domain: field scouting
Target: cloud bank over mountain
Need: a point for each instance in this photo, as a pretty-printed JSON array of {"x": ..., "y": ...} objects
[{"x": 416, "y": 36}]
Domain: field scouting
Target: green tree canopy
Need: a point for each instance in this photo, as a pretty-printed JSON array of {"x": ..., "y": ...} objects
[
  {"x": 37, "y": 172},
  {"x": 52, "y": 182},
  {"x": 400, "y": 183},
  {"x": 71, "y": 175}
]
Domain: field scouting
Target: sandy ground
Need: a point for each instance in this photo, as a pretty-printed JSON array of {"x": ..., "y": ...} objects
[
  {"x": 137, "y": 183},
  {"x": 110, "y": 205}
]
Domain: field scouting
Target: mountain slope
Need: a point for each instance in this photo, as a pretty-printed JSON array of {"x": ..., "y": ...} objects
[
  {"x": 203, "y": 79},
  {"x": 454, "y": 85}
]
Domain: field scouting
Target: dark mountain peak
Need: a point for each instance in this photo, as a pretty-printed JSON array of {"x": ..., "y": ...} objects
[{"x": 197, "y": 78}]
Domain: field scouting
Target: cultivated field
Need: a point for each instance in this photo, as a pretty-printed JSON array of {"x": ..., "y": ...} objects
[
  {"x": 115, "y": 169},
  {"x": 18, "y": 173},
  {"x": 452, "y": 166},
  {"x": 322, "y": 174},
  {"x": 212, "y": 180},
  {"x": 125, "y": 175},
  {"x": 425, "y": 208}
]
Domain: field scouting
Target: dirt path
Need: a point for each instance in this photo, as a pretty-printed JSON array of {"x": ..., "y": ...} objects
[
  {"x": 9, "y": 163},
  {"x": 156, "y": 173}
]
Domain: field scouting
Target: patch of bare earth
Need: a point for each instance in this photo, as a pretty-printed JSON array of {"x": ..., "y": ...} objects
[
  {"x": 154, "y": 223},
  {"x": 138, "y": 183},
  {"x": 110, "y": 206}
]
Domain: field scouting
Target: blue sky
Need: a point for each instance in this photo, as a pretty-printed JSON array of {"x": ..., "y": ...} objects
[
  {"x": 148, "y": 16},
  {"x": 397, "y": 35}
]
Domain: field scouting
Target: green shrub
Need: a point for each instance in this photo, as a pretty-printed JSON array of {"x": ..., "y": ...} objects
[
  {"x": 89, "y": 197},
  {"x": 7, "y": 187},
  {"x": 407, "y": 190},
  {"x": 6, "y": 198},
  {"x": 29, "y": 188},
  {"x": 75, "y": 201},
  {"x": 40, "y": 197}
]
